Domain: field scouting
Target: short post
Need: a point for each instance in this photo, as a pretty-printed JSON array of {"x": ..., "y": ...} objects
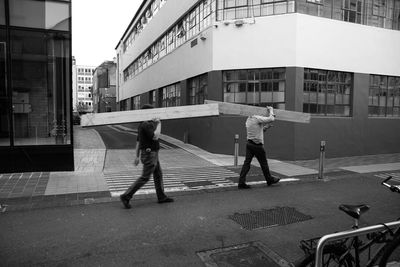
[
  {"x": 236, "y": 153},
  {"x": 186, "y": 137},
  {"x": 321, "y": 159}
]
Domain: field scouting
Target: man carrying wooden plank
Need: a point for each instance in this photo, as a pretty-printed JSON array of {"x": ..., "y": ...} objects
[
  {"x": 256, "y": 125},
  {"x": 148, "y": 146}
]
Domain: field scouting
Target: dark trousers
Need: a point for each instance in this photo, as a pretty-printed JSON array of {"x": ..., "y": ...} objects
[
  {"x": 255, "y": 150},
  {"x": 151, "y": 165}
]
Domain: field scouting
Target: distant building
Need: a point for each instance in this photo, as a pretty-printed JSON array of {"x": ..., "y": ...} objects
[
  {"x": 104, "y": 79},
  {"x": 74, "y": 86},
  {"x": 35, "y": 86},
  {"x": 338, "y": 60},
  {"x": 83, "y": 82}
]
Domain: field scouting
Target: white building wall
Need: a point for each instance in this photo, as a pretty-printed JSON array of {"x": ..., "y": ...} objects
[
  {"x": 274, "y": 41},
  {"x": 164, "y": 19},
  {"x": 184, "y": 62},
  {"x": 307, "y": 41}
]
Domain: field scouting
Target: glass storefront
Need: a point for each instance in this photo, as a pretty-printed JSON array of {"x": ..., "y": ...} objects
[{"x": 35, "y": 74}]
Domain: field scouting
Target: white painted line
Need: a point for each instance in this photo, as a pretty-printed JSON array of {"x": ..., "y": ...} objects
[
  {"x": 283, "y": 180},
  {"x": 373, "y": 167}
]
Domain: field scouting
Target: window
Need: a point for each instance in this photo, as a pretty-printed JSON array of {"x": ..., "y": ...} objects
[
  {"x": 327, "y": 93},
  {"x": 197, "y": 89},
  {"x": 153, "y": 98},
  {"x": 352, "y": 10},
  {"x": 259, "y": 87},
  {"x": 135, "y": 102},
  {"x": 384, "y": 96},
  {"x": 142, "y": 21},
  {"x": 231, "y": 9},
  {"x": 197, "y": 19},
  {"x": 171, "y": 95}
]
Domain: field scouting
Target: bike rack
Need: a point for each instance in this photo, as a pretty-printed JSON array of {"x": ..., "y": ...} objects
[{"x": 351, "y": 233}]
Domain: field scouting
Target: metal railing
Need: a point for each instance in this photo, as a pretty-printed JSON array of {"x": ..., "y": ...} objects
[{"x": 345, "y": 234}]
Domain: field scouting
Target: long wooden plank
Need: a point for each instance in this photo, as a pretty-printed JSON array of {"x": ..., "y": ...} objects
[
  {"x": 118, "y": 117},
  {"x": 246, "y": 110}
]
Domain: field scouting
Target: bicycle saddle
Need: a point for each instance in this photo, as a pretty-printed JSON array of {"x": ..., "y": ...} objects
[{"x": 354, "y": 211}]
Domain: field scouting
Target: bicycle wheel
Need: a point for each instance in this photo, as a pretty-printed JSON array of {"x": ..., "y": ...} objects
[
  {"x": 330, "y": 258},
  {"x": 391, "y": 254}
]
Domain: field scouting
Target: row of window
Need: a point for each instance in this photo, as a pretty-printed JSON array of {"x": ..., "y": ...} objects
[
  {"x": 191, "y": 24},
  {"x": 263, "y": 87},
  {"x": 238, "y": 9},
  {"x": 84, "y": 79},
  {"x": 325, "y": 92},
  {"x": 84, "y": 71},
  {"x": 143, "y": 20},
  {"x": 84, "y": 88},
  {"x": 379, "y": 13},
  {"x": 384, "y": 96}
]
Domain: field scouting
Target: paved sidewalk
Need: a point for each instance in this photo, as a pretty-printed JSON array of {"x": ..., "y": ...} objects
[{"x": 101, "y": 175}]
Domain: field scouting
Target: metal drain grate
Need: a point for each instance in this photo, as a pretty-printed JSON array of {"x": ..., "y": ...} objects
[
  {"x": 249, "y": 255},
  {"x": 269, "y": 218}
]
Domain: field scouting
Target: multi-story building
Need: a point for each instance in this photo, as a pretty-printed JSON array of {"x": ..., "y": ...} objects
[
  {"x": 83, "y": 82},
  {"x": 338, "y": 60},
  {"x": 35, "y": 86},
  {"x": 104, "y": 79}
]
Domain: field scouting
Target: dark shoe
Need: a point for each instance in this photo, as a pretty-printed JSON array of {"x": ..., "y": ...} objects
[
  {"x": 125, "y": 201},
  {"x": 244, "y": 186},
  {"x": 166, "y": 200},
  {"x": 272, "y": 181}
]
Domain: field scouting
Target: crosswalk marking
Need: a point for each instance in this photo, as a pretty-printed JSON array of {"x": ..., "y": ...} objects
[
  {"x": 175, "y": 179},
  {"x": 384, "y": 175}
]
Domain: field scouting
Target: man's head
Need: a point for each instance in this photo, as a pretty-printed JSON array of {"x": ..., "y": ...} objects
[{"x": 147, "y": 106}]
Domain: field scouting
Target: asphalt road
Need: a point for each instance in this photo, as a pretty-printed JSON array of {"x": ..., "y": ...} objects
[
  {"x": 120, "y": 138},
  {"x": 152, "y": 234},
  {"x": 115, "y": 138}
]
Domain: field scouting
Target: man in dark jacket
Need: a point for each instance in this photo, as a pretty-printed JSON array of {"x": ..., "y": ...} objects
[{"x": 147, "y": 147}]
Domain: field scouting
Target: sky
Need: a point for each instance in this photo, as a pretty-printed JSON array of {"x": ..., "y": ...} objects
[{"x": 97, "y": 26}]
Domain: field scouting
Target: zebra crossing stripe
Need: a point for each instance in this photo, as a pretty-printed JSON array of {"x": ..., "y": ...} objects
[
  {"x": 395, "y": 176},
  {"x": 174, "y": 179}
]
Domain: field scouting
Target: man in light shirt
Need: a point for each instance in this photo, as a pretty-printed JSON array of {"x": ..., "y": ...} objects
[{"x": 256, "y": 126}]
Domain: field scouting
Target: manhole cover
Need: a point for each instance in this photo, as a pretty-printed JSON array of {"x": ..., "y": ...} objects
[
  {"x": 269, "y": 218},
  {"x": 250, "y": 255}
]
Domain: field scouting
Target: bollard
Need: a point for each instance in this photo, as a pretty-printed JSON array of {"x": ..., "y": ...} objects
[
  {"x": 236, "y": 153},
  {"x": 186, "y": 137},
  {"x": 321, "y": 159}
]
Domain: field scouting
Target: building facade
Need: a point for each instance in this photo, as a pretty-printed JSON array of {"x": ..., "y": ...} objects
[
  {"x": 83, "y": 84},
  {"x": 104, "y": 81},
  {"x": 338, "y": 60},
  {"x": 35, "y": 86}
]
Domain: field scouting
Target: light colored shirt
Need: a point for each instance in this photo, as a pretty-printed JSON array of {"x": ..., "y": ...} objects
[{"x": 255, "y": 127}]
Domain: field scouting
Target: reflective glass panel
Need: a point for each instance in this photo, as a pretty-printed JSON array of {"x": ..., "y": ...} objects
[
  {"x": 41, "y": 87},
  {"x": 2, "y": 13},
  {"x": 4, "y": 100},
  {"x": 40, "y": 14}
]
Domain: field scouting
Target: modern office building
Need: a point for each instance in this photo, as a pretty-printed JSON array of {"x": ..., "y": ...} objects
[
  {"x": 338, "y": 60},
  {"x": 35, "y": 86},
  {"x": 104, "y": 79},
  {"x": 83, "y": 84}
]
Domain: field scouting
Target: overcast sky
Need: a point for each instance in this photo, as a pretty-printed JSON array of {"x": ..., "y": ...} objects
[{"x": 97, "y": 26}]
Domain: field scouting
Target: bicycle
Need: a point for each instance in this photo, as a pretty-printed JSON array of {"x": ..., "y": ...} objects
[{"x": 382, "y": 246}]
